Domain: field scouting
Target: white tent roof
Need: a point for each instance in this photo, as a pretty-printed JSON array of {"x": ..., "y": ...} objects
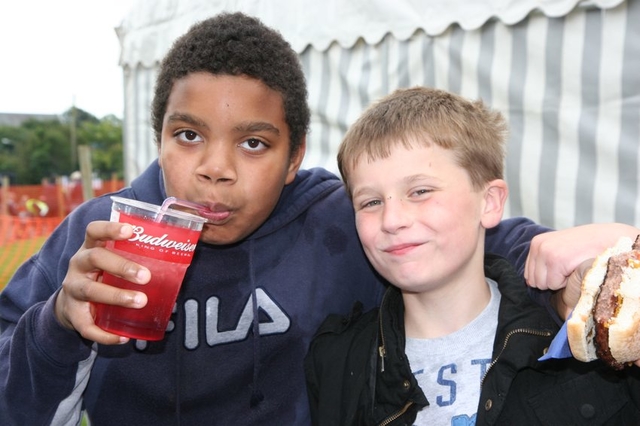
[{"x": 147, "y": 32}]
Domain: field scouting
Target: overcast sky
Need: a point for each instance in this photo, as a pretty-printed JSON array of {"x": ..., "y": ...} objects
[{"x": 54, "y": 53}]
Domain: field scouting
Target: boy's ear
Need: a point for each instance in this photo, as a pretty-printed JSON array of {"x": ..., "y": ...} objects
[
  {"x": 495, "y": 196},
  {"x": 296, "y": 161}
]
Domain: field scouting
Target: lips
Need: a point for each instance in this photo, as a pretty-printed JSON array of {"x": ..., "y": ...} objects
[
  {"x": 214, "y": 216},
  {"x": 215, "y": 213},
  {"x": 400, "y": 249}
]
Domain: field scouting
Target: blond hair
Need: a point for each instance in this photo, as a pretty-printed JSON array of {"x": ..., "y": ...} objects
[{"x": 421, "y": 115}]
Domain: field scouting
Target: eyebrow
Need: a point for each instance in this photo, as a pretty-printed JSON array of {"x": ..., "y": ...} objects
[
  {"x": 421, "y": 176},
  {"x": 249, "y": 126},
  {"x": 187, "y": 118},
  {"x": 257, "y": 126},
  {"x": 359, "y": 191}
]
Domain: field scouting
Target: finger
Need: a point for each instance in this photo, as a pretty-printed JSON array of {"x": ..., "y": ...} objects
[
  {"x": 554, "y": 278},
  {"x": 84, "y": 324},
  {"x": 98, "y": 335},
  {"x": 92, "y": 261},
  {"x": 97, "y": 292},
  {"x": 90, "y": 331},
  {"x": 529, "y": 266},
  {"x": 573, "y": 289},
  {"x": 99, "y": 232},
  {"x": 75, "y": 300},
  {"x": 540, "y": 275},
  {"x": 571, "y": 292},
  {"x": 548, "y": 266},
  {"x": 535, "y": 272}
]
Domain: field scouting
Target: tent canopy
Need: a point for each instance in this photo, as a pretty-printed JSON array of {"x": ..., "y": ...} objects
[{"x": 147, "y": 32}]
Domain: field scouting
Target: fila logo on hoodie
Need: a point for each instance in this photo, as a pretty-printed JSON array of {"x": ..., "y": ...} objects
[{"x": 279, "y": 323}]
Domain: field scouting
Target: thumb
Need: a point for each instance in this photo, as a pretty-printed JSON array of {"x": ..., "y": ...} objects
[{"x": 571, "y": 293}]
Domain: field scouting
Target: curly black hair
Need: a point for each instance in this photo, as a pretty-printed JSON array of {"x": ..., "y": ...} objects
[{"x": 236, "y": 44}]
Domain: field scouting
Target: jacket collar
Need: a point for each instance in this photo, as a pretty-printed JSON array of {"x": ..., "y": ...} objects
[{"x": 517, "y": 309}]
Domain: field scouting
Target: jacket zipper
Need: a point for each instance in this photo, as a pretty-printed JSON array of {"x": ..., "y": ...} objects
[
  {"x": 382, "y": 352},
  {"x": 506, "y": 342},
  {"x": 395, "y": 416}
]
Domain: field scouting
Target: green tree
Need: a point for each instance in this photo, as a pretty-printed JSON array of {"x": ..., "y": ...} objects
[
  {"x": 9, "y": 139},
  {"x": 43, "y": 149},
  {"x": 105, "y": 139}
]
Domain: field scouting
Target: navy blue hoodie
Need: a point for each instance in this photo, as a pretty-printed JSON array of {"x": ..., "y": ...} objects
[{"x": 234, "y": 350}]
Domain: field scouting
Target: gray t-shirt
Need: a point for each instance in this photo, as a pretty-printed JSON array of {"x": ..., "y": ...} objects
[{"x": 449, "y": 369}]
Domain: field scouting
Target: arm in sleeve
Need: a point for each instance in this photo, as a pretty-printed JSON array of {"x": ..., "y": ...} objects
[
  {"x": 511, "y": 239},
  {"x": 44, "y": 367}
]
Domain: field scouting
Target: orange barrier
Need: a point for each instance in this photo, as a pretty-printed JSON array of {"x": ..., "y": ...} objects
[
  {"x": 15, "y": 228},
  {"x": 48, "y": 199}
]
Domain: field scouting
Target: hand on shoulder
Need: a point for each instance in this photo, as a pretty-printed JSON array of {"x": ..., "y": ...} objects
[{"x": 553, "y": 256}]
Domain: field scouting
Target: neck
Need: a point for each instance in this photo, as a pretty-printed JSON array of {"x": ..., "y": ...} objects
[{"x": 432, "y": 315}]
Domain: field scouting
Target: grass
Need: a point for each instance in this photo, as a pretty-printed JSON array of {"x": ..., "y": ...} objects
[{"x": 14, "y": 254}]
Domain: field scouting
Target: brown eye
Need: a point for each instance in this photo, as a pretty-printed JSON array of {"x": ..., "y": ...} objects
[
  {"x": 188, "y": 136},
  {"x": 254, "y": 145}
]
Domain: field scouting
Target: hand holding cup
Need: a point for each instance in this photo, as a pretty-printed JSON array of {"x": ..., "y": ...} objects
[
  {"x": 81, "y": 285},
  {"x": 142, "y": 244}
]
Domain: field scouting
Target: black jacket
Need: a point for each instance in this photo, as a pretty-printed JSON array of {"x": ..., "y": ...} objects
[{"x": 350, "y": 383}]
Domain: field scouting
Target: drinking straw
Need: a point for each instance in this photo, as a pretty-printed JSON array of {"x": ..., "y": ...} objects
[{"x": 170, "y": 201}]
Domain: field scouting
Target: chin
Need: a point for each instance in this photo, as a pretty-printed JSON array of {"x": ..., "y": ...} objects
[{"x": 217, "y": 236}]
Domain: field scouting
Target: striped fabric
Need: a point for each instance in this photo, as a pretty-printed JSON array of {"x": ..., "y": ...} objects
[{"x": 569, "y": 87}]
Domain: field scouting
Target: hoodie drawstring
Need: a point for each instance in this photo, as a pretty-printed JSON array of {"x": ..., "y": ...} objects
[{"x": 256, "y": 394}]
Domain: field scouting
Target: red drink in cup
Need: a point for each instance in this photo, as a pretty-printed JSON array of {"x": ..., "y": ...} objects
[{"x": 163, "y": 241}]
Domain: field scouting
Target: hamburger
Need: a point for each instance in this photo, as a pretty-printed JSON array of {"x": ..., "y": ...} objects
[{"x": 605, "y": 324}]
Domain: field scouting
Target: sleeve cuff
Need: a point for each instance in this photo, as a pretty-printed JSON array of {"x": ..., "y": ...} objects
[{"x": 63, "y": 346}]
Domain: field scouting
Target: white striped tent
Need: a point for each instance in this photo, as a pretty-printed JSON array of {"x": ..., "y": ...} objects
[{"x": 565, "y": 73}]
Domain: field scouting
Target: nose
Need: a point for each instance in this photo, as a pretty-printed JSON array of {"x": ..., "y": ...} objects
[
  {"x": 395, "y": 215},
  {"x": 217, "y": 164}
]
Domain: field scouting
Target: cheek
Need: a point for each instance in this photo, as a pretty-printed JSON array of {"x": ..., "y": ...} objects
[
  {"x": 364, "y": 227},
  {"x": 458, "y": 207},
  {"x": 174, "y": 176},
  {"x": 263, "y": 194}
]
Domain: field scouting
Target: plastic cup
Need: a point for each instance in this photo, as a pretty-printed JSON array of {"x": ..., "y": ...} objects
[{"x": 163, "y": 241}]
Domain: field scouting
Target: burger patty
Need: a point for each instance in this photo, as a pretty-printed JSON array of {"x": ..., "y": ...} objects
[
  {"x": 605, "y": 307},
  {"x": 607, "y": 302}
]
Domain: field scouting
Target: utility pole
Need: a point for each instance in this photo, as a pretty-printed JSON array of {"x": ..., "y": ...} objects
[
  {"x": 74, "y": 143},
  {"x": 86, "y": 171}
]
